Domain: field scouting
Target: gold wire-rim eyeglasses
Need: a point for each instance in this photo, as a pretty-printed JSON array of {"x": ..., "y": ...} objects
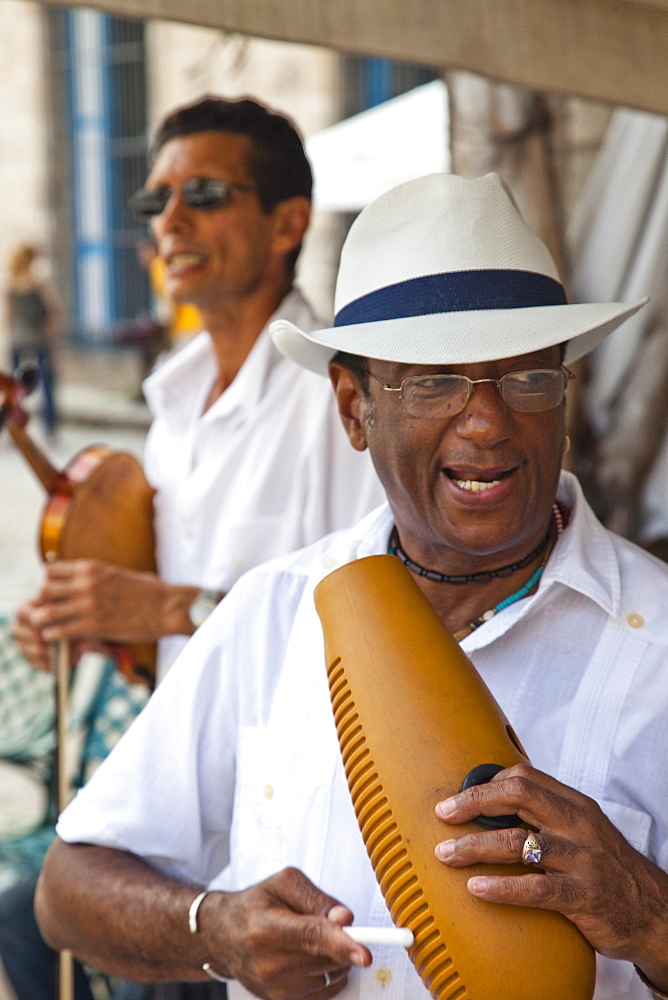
[{"x": 424, "y": 396}]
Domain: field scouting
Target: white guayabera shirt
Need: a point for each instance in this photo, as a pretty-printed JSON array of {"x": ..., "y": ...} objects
[
  {"x": 267, "y": 469},
  {"x": 233, "y": 771}
]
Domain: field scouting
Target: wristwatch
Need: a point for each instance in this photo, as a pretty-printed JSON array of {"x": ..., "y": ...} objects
[{"x": 202, "y": 606}]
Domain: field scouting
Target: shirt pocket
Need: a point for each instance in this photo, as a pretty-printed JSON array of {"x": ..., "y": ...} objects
[
  {"x": 253, "y": 540},
  {"x": 282, "y": 805}
]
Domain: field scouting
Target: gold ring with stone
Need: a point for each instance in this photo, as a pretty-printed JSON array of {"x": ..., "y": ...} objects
[{"x": 532, "y": 852}]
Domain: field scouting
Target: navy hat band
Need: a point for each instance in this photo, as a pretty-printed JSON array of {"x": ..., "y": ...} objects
[{"x": 454, "y": 291}]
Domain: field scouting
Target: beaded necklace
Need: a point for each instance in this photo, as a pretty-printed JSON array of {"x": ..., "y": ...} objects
[
  {"x": 560, "y": 516},
  {"x": 517, "y": 596},
  {"x": 482, "y": 576}
]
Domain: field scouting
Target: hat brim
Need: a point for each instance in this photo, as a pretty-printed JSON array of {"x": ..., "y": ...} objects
[{"x": 456, "y": 338}]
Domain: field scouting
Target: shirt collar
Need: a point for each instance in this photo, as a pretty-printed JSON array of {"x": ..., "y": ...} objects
[
  {"x": 176, "y": 392},
  {"x": 583, "y": 559}
]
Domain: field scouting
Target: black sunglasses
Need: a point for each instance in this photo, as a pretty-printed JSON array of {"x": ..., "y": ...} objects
[{"x": 201, "y": 193}]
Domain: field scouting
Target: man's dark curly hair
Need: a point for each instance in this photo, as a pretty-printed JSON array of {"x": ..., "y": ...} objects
[{"x": 277, "y": 164}]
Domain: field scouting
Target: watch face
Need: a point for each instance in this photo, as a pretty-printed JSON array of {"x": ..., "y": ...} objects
[{"x": 202, "y": 606}]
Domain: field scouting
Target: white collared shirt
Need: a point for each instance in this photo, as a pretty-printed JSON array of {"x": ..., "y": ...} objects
[
  {"x": 267, "y": 469},
  {"x": 233, "y": 771}
]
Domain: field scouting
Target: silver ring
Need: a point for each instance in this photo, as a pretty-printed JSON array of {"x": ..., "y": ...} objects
[
  {"x": 328, "y": 979},
  {"x": 532, "y": 852}
]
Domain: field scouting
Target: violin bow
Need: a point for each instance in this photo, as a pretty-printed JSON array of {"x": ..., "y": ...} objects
[
  {"x": 12, "y": 392},
  {"x": 124, "y": 486},
  {"x": 60, "y": 661}
]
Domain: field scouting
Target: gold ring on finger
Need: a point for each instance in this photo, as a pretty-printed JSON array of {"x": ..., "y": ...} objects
[{"x": 532, "y": 852}]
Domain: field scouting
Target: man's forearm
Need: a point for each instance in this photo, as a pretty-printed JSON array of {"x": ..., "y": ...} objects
[{"x": 119, "y": 915}]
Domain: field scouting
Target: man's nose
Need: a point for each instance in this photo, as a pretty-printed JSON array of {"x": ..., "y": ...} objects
[
  {"x": 175, "y": 214},
  {"x": 485, "y": 415}
]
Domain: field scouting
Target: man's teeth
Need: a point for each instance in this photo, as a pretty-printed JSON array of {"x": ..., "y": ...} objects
[
  {"x": 476, "y": 485},
  {"x": 184, "y": 259}
]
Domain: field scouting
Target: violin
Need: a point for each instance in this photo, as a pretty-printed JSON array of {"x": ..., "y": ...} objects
[{"x": 99, "y": 507}]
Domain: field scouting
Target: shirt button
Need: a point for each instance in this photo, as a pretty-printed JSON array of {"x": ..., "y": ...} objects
[
  {"x": 635, "y": 621},
  {"x": 382, "y": 976},
  {"x": 268, "y": 791}
]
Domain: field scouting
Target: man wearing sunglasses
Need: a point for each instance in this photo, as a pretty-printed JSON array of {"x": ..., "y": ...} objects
[
  {"x": 246, "y": 452},
  {"x": 447, "y": 357}
]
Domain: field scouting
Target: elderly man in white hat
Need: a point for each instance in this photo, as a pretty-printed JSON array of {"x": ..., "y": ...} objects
[{"x": 448, "y": 358}]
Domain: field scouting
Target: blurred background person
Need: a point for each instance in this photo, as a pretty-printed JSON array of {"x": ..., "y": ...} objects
[
  {"x": 33, "y": 315},
  {"x": 149, "y": 332}
]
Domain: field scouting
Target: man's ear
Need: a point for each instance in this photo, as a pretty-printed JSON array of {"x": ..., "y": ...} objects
[
  {"x": 351, "y": 403},
  {"x": 291, "y": 218}
]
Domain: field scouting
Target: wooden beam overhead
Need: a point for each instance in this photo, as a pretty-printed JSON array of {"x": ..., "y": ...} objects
[{"x": 609, "y": 50}]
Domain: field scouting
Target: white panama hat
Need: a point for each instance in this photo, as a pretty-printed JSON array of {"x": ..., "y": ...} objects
[{"x": 443, "y": 270}]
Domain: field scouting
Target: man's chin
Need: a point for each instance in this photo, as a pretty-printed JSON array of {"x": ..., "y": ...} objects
[
  {"x": 492, "y": 545},
  {"x": 182, "y": 293}
]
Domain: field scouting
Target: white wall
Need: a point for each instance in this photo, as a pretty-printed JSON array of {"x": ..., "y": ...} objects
[{"x": 24, "y": 214}]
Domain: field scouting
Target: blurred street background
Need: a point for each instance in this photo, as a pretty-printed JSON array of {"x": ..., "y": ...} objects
[{"x": 582, "y": 144}]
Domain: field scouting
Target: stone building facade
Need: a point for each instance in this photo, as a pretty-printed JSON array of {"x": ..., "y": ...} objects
[{"x": 182, "y": 63}]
